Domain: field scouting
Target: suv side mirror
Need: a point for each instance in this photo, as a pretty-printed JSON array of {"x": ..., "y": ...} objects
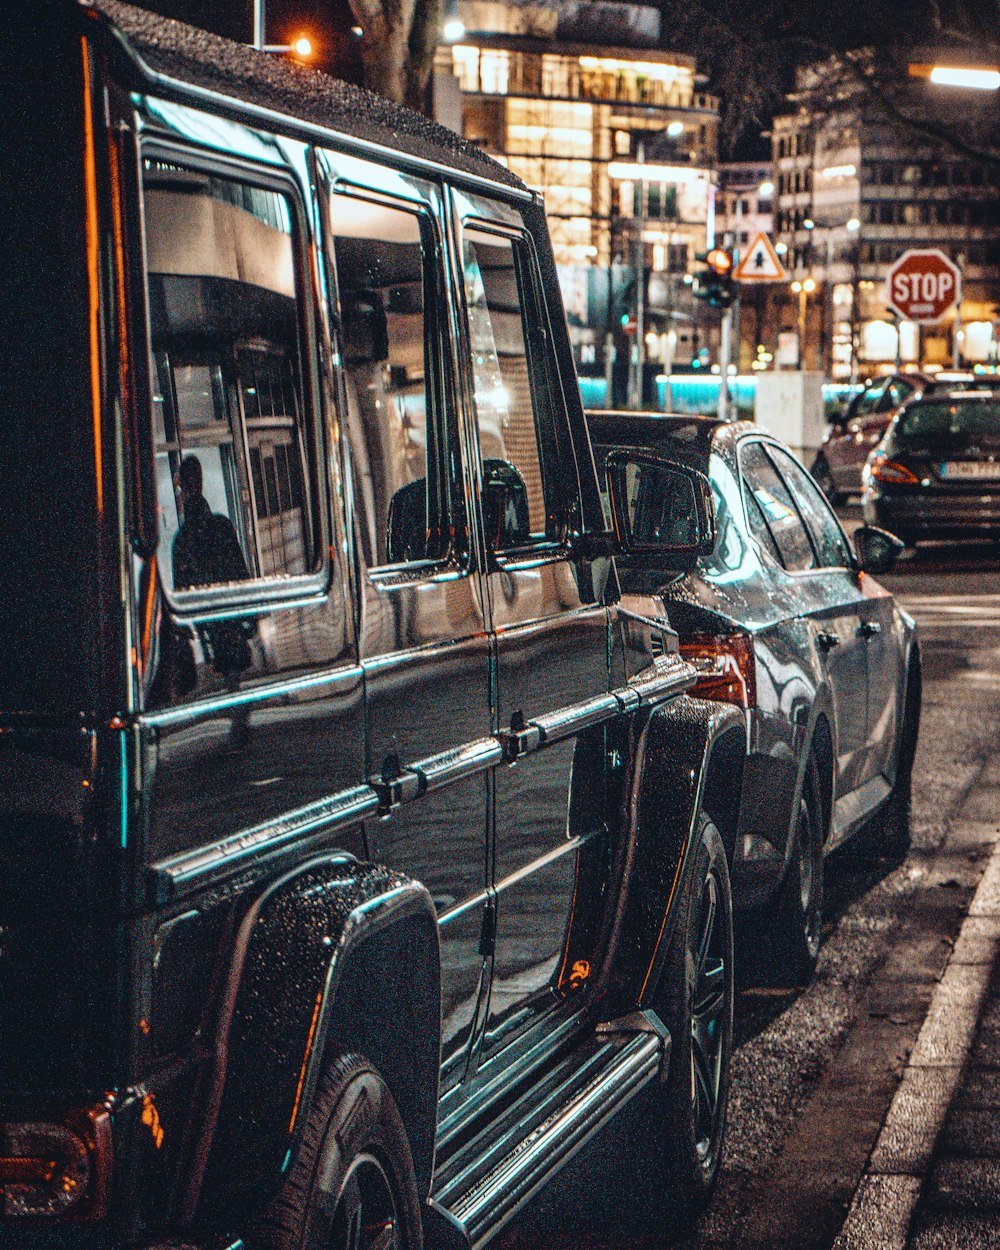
[
  {"x": 877, "y": 550},
  {"x": 663, "y": 511}
]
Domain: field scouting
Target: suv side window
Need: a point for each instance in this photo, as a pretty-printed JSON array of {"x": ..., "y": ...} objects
[
  {"x": 828, "y": 538},
  {"x": 778, "y": 508},
  {"x": 380, "y": 253},
  {"x": 510, "y": 394},
  {"x": 234, "y": 449}
]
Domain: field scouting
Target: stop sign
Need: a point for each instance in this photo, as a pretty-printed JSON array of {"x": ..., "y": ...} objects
[{"x": 924, "y": 284}]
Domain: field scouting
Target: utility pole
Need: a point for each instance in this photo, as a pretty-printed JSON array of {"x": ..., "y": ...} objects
[{"x": 638, "y": 348}]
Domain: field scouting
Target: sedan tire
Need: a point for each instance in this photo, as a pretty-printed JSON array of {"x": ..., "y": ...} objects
[{"x": 695, "y": 1001}]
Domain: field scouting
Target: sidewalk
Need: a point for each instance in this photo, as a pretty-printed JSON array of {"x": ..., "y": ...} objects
[{"x": 933, "y": 1178}]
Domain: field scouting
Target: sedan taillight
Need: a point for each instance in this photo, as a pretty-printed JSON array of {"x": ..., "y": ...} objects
[
  {"x": 52, "y": 1169},
  {"x": 883, "y": 469},
  {"x": 725, "y": 665}
]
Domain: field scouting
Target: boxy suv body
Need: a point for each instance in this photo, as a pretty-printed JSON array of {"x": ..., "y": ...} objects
[{"x": 363, "y": 855}]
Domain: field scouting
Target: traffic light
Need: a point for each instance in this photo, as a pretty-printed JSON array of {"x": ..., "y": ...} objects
[{"x": 715, "y": 282}]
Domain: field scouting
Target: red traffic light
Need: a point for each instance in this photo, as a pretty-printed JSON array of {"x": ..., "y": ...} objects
[{"x": 719, "y": 260}]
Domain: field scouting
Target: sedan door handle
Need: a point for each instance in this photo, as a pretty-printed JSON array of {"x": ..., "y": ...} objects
[
  {"x": 868, "y": 629},
  {"x": 826, "y": 642}
]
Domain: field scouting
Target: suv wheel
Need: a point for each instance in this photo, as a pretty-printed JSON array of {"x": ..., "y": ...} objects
[
  {"x": 352, "y": 1185},
  {"x": 695, "y": 1000}
]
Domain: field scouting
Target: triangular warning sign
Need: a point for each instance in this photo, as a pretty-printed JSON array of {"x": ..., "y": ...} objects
[{"x": 760, "y": 263}]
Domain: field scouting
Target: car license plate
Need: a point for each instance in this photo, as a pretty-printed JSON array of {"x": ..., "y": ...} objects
[{"x": 989, "y": 469}]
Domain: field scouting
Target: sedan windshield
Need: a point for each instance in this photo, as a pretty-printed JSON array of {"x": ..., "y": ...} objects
[{"x": 953, "y": 423}]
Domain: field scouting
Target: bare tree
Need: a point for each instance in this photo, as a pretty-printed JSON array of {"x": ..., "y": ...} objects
[
  {"x": 398, "y": 41},
  {"x": 750, "y": 51}
]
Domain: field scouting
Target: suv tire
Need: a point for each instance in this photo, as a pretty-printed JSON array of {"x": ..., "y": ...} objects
[{"x": 352, "y": 1184}]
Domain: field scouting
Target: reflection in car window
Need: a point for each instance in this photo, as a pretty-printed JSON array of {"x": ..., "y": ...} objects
[
  {"x": 827, "y": 536},
  {"x": 505, "y": 392},
  {"x": 759, "y": 529},
  {"x": 380, "y": 274},
  {"x": 232, "y": 438},
  {"x": 783, "y": 520},
  {"x": 730, "y": 546}
]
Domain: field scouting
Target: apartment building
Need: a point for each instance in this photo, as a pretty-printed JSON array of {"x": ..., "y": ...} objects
[
  {"x": 853, "y": 191},
  {"x": 580, "y": 101}
]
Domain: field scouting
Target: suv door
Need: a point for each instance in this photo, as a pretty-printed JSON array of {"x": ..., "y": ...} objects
[
  {"x": 550, "y": 635},
  {"x": 423, "y": 639},
  {"x": 824, "y": 595}
]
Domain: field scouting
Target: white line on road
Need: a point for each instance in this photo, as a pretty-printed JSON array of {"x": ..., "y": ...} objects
[{"x": 884, "y": 1201}]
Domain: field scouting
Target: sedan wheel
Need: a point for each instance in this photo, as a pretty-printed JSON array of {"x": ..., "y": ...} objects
[
  {"x": 783, "y": 945},
  {"x": 695, "y": 1000}
]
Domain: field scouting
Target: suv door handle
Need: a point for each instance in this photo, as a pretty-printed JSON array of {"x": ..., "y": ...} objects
[
  {"x": 868, "y": 629},
  {"x": 826, "y": 642}
]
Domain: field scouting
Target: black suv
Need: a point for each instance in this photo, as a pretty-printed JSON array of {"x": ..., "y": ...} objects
[{"x": 363, "y": 855}]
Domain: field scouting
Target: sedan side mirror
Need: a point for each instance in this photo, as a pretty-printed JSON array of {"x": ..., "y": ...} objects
[
  {"x": 877, "y": 550},
  {"x": 663, "y": 511}
]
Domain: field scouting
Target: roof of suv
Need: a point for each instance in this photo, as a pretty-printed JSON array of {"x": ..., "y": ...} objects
[{"x": 197, "y": 58}]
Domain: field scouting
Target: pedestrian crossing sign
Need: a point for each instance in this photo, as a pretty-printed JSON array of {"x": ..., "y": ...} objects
[{"x": 760, "y": 263}]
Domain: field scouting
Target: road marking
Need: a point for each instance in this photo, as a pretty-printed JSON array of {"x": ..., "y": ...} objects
[{"x": 883, "y": 1204}]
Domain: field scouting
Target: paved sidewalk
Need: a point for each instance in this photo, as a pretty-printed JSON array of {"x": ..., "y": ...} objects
[
  {"x": 933, "y": 1179},
  {"x": 959, "y": 1206}
]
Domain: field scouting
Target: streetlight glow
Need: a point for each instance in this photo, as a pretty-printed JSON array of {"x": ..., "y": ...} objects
[
  {"x": 675, "y": 129},
  {"x": 302, "y": 47},
  {"x": 853, "y": 224},
  {"x": 953, "y": 76},
  {"x": 766, "y": 189},
  {"x": 809, "y": 286},
  {"x": 453, "y": 30},
  {"x": 633, "y": 171}
]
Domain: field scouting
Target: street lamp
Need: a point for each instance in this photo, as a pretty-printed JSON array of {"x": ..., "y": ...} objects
[{"x": 302, "y": 46}]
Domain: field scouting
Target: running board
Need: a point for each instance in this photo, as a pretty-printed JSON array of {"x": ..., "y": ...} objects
[{"x": 493, "y": 1177}]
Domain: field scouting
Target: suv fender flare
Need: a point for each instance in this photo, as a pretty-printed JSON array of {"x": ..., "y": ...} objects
[
  {"x": 336, "y": 955},
  {"x": 682, "y": 753}
]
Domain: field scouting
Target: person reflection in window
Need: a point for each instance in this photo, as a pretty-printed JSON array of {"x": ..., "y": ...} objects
[{"x": 207, "y": 552}]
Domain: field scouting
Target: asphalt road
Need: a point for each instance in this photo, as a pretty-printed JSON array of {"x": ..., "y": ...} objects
[{"x": 815, "y": 1072}]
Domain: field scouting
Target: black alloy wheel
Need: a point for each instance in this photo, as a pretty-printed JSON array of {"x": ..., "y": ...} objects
[
  {"x": 799, "y": 927},
  {"x": 352, "y": 1185},
  {"x": 695, "y": 1000},
  {"x": 781, "y": 946}
]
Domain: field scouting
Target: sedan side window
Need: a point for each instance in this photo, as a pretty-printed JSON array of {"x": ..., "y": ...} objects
[
  {"x": 828, "y": 538},
  {"x": 771, "y": 496}
]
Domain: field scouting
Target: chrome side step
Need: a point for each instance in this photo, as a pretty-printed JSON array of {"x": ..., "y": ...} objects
[{"x": 493, "y": 1178}]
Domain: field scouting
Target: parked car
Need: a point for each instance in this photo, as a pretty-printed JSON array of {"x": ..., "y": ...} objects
[
  {"x": 363, "y": 853},
  {"x": 851, "y": 439},
  {"x": 936, "y": 473},
  {"x": 785, "y": 621}
]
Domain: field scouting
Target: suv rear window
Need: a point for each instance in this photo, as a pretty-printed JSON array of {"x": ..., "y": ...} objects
[{"x": 231, "y": 435}]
